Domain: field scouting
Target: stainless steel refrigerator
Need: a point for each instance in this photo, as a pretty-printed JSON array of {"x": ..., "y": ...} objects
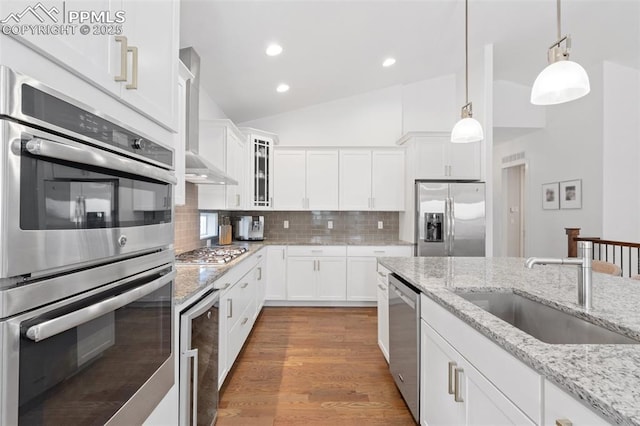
[{"x": 450, "y": 218}]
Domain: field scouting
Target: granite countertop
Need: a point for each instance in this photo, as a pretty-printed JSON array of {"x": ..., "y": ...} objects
[
  {"x": 607, "y": 377},
  {"x": 194, "y": 278},
  {"x": 331, "y": 241}
]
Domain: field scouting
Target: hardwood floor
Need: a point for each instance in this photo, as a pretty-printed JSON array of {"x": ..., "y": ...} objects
[{"x": 312, "y": 366}]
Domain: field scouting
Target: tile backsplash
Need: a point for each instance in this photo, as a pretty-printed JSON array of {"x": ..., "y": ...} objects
[
  {"x": 304, "y": 226},
  {"x": 187, "y": 222},
  {"x": 348, "y": 227}
]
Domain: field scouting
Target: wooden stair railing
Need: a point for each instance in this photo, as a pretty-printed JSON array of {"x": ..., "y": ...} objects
[{"x": 624, "y": 254}]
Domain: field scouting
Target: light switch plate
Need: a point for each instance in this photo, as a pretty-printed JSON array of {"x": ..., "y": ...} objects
[
  {"x": 330, "y": 224},
  {"x": 286, "y": 224},
  {"x": 380, "y": 225}
]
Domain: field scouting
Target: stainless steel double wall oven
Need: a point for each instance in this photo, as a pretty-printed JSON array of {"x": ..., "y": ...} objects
[{"x": 86, "y": 262}]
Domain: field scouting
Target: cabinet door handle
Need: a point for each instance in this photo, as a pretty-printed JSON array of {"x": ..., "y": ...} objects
[
  {"x": 244, "y": 285},
  {"x": 564, "y": 422},
  {"x": 457, "y": 397},
  {"x": 244, "y": 321},
  {"x": 452, "y": 366},
  {"x": 382, "y": 274},
  {"x": 318, "y": 264},
  {"x": 282, "y": 254},
  {"x": 229, "y": 308},
  {"x": 237, "y": 200},
  {"x": 123, "y": 58},
  {"x": 314, "y": 265},
  {"x": 134, "y": 67},
  {"x": 259, "y": 273},
  {"x": 381, "y": 287}
]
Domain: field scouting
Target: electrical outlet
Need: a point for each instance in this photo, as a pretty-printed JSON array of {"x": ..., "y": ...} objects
[
  {"x": 380, "y": 225},
  {"x": 286, "y": 224},
  {"x": 330, "y": 224}
]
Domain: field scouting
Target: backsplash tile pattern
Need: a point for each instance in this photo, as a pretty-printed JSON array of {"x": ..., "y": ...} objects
[
  {"x": 187, "y": 222},
  {"x": 348, "y": 227},
  {"x": 304, "y": 226}
]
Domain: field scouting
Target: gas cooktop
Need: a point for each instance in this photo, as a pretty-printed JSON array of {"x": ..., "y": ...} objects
[{"x": 211, "y": 255}]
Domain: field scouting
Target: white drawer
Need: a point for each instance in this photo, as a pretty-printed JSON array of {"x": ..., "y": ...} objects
[
  {"x": 238, "y": 298},
  {"x": 317, "y": 251},
  {"x": 237, "y": 271},
  {"x": 380, "y": 251},
  {"x": 238, "y": 334}
]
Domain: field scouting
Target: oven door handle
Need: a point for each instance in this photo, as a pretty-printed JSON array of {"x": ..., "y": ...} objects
[
  {"x": 83, "y": 154},
  {"x": 55, "y": 326}
]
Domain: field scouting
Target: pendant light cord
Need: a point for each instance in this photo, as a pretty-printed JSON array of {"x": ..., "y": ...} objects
[
  {"x": 559, "y": 12},
  {"x": 466, "y": 51}
]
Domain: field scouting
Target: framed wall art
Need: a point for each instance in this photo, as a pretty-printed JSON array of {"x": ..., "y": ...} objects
[
  {"x": 550, "y": 196},
  {"x": 571, "y": 194}
]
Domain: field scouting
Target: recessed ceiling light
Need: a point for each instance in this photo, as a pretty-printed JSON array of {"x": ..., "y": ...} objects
[
  {"x": 388, "y": 62},
  {"x": 274, "y": 50},
  {"x": 282, "y": 88}
]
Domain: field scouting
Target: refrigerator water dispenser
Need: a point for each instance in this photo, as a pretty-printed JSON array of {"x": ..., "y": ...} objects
[{"x": 433, "y": 227}]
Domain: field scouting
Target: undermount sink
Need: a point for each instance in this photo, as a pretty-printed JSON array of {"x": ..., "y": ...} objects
[{"x": 543, "y": 322}]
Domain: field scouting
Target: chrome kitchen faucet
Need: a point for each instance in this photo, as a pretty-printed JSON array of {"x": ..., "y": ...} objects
[{"x": 583, "y": 261}]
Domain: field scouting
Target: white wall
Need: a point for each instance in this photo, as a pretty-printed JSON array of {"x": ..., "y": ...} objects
[
  {"x": 369, "y": 119},
  {"x": 621, "y": 154},
  {"x": 570, "y": 147},
  {"x": 430, "y": 105},
  {"x": 209, "y": 109},
  {"x": 512, "y": 107}
]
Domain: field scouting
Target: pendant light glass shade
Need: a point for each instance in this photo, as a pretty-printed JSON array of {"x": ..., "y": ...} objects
[
  {"x": 560, "y": 82},
  {"x": 467, "y": 130}
]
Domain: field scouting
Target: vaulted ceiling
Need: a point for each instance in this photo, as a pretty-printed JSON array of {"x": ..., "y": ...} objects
[{"x": 334, "y": 49}]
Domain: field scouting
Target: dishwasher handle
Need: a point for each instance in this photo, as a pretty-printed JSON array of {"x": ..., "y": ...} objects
[{"x": 404, "y": 298}]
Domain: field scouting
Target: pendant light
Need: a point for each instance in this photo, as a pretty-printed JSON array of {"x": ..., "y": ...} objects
[
  {"x": 562, "y": 80},
  {"x": 467, "y": 129}
]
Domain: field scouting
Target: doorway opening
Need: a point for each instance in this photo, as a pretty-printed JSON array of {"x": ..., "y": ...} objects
[{"x": 513, "y": 178}]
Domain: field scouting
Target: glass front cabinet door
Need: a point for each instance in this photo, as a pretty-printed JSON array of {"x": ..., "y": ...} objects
[{"x": 261, "y": 171}]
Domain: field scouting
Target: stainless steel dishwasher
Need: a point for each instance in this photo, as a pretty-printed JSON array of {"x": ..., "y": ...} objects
[{"x": 404, "y": 341}]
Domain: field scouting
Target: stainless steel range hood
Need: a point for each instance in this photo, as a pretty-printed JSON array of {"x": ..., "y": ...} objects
[{"x": 197, "y": 169}]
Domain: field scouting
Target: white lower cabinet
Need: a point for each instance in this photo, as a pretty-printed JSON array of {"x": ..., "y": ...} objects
[
  {"x": 260, "y": 282},
  {"x": 485, "y": 374},
  {"x": 491, "y": 386},
  {"x": 276, "y": 288},
  {"x": 559, "y": 405},
  {"x": 316, "y": 273},
  {"x": 383, "y": 310},
  {"x": 241, "y": 299},
  {"x": 453, "y": 392},
  {"x": 362, "y": 269}
]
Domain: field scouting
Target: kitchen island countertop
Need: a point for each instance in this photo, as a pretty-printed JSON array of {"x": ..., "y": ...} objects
[{"x": 606, "y": 377}]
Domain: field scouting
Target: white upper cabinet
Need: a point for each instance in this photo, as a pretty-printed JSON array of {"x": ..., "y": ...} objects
[
  {"x": 179, "y": 139},
  {"x": 387, "y": 180},
  {"x": 133, "y": 59},
  {"x": 260, "y": 169},
  {"x": 322, "y": 180},
  {"x": 355, "y": 179},
  {"x": 237, "y": 169},
  {"x": 306, "y": 179},
  {"x": 434, "y": 156},
  {"x": 222, "y": 144},
  {"x": 153, "y": 32},
  {"x": 289, "y": 191},
  {"x": 372, "y": 179}
]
